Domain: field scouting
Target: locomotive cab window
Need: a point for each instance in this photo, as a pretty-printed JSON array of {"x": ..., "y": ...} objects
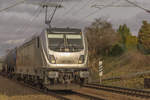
[
  {"x": 55, "y": 41},
  {"x": 62, "y": 42},
  {"x": 74, "y": 41}
]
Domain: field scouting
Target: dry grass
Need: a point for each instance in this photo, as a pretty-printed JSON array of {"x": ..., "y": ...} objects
[
  {"x": 29, "y": 97},
  {"x": 3, "y": 97},
  {"x": 137, "y": 83},
  {"x": 10, "y": 90},
  {"x": 130, "y": 62}
]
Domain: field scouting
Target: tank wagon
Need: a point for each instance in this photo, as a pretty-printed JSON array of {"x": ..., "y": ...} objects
[
  {"x": 57, "y": 59},
  {"x": 9, "y": 63}
]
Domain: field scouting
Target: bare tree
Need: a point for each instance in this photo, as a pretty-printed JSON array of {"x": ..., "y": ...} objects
[{"x": 101, "y": 37}]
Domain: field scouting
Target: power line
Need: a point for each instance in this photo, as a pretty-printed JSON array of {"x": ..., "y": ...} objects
[
  {"x": 71, "y": 8},
  {"x": 81, "y": 8},
  {"x": 36, "y": 16},
  {"x": 66, "y": 14},
  {"x": 98, "y": 6},
  {"x": 24, "y": 28},
  {"x": 132, "y": 3},
  {"x": 92, "y": 13},
  {"x": 105, "y": 6},
  {"x": 18, "y": 3},
  {"x": 54, "y": 13},
  {"x": 49, "y": 20},
  {"x": 147, "y": 10}
]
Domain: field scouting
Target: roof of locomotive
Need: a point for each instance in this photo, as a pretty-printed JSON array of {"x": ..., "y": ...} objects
[
  {"x": 61, "y": 30},
  {"x": 53, "y": 30}
]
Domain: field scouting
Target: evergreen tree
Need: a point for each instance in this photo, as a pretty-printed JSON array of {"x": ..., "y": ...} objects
[
  {"x": 144, "y": 37},
  {"x": 131, "y": 42},
  {"x": 127, "y": 40}
]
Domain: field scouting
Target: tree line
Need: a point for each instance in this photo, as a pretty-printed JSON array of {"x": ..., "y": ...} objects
[{"x": 104, "y": 41}]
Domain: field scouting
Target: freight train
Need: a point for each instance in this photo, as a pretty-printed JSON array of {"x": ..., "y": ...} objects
[{"x": 57, "y": 58}]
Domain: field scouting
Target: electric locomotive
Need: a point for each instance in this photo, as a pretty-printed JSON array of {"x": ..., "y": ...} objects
[{"x": 57, "y": 58}]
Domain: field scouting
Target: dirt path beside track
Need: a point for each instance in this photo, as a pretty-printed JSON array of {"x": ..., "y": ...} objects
[{"x": 10, "y": 90}]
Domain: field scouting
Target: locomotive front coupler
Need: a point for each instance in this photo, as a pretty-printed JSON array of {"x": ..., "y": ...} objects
[{"x": 67, "y": 76}]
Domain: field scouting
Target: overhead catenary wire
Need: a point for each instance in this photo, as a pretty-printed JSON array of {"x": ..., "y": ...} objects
[
  {"x": 14, "y": 5},
  {"x": 98, "y": 6},
  {"x": 34, "y": 18},
  {"x": 78, "y": 10},
  {"x": 51, "y": 18},
  {"x": 71, "y": 8},
  {"x": 92, "y": 13},
  {"x": 132, "y": 5},
  {"x": 24, "y": 28},
  {"x": 136, "y": 5},
  {"x": 67, "y": 13},
  {"x": 97, "y": 10},
  {"x": 81, "y": 8}
]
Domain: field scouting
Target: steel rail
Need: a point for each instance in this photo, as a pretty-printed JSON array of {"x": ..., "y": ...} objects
[
  {"x": 69, "y": 93},
  {"x": 87, "y": 96},
  {"x": 121, "y": 90},
  {"x": 45, "y": 91}
]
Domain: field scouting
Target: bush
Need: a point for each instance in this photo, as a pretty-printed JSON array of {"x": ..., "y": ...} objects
[
  {"x": 142, "y": 49},
  {"x": 116, "y": 50}
]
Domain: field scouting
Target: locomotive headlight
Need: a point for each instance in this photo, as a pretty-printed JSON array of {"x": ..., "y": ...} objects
[
  {"x": 81, "y": 59},
  {"x": 84, "y": 74},
  {"x": 53, "y": 74},
  {"x": 52, "y": 59}
]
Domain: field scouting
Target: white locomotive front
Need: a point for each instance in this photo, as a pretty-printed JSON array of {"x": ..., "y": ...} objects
[{"x": 57, "y": 58}]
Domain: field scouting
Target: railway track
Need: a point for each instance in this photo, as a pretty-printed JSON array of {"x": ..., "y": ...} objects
[
  {"x": 73, "y": 95},
  {"x": 60, "y": 95},
  {"x": 41, "y": 90},
  {"x": 82, "y": 94},
  {"x": 45, "y": 91},
  {"x": 88, "y": 96},
  {"x": 120, "y": 90}
]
